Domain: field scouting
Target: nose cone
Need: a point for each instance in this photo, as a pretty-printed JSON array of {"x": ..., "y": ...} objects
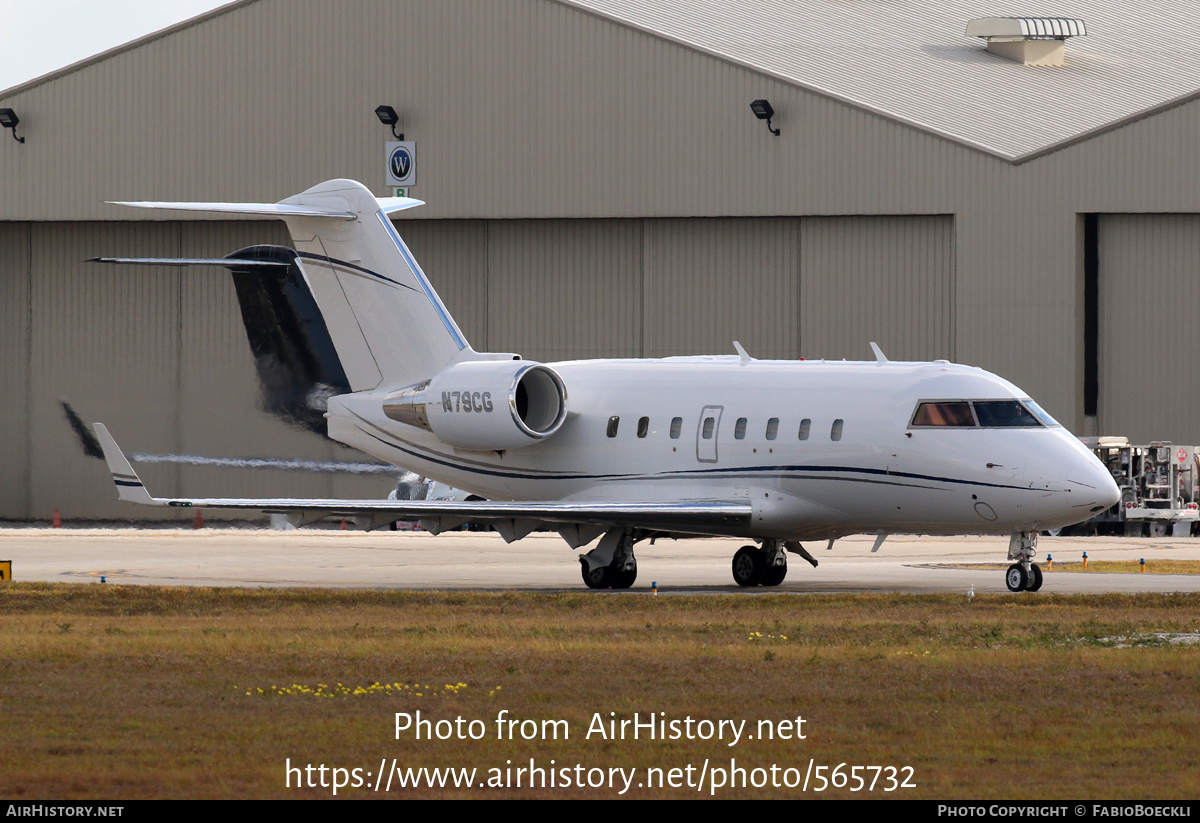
[{"x": 1091, "y": 488}]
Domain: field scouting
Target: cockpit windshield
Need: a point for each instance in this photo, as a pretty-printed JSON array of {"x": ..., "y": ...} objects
[
  {"x": 987, "y": 414},
  {"x": 1003, "y": 413},
  {"x": 1040, "y": 413},
  {"x": 946, "y": 413}
]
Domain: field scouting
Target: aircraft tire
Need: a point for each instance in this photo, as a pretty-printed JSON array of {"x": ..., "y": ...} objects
[
  {"x": 598, "y": 578},
  {"x": 1035, "y": 578},
  {"x": 621, "y": 579},
  {"x": 748, "y": 566},
  {"x": 1016, "y": 578},
  {"x": 774, "y": 575}
]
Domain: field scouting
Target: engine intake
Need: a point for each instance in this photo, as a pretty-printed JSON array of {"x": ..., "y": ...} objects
[{"x": 485, "y": 405}]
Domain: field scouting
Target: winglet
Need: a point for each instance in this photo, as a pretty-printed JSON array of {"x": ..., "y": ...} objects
[{"x": 129, "y": 485}]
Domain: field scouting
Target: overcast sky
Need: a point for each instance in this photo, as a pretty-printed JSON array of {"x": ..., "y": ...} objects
[{"x": 40, "y": 36}]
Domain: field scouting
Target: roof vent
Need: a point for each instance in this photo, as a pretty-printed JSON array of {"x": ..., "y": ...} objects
[{"x": 1034, "y": 41}]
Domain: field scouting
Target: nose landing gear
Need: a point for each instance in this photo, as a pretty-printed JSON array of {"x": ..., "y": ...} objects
[{"x": 1024, "y": 575}]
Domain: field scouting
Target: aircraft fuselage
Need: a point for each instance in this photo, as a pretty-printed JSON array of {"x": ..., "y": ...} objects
[{"x": 821, "y": 449}]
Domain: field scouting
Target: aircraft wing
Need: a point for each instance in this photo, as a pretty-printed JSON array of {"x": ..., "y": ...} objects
[{"x": 516, "y": 518}]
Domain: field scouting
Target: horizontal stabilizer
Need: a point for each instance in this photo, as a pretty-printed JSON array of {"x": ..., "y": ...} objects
[
  {"x": 382, "y": 315},
  {"x": 268, "y": 209},
  {"x": 193, "y": 261},
  {"x": 385, "y": 204}
]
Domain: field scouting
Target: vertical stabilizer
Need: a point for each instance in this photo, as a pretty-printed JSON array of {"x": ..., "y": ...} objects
[{"x": 388, "y": 324}]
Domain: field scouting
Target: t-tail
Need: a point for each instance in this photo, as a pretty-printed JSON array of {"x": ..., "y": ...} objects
[
  {"x": 388, "y": 324},
  {"x": 391, "y": 331},
  {"x": 386, "y": 321}
]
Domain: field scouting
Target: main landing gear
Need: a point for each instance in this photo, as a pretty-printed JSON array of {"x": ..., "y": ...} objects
[
  {"x": 767, "y": 566},
  {"x": 1023, "y": 575},
  {"x": 611, "y": 565}
]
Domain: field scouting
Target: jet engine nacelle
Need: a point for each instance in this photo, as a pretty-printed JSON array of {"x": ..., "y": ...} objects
[{"x": 485, "y": 405}]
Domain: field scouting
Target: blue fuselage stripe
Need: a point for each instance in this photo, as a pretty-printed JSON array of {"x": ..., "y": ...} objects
[
  {"x": 434, "y": 300},
  {"x": 351, "y": 267},
  {"x": 775, "y": 471}
]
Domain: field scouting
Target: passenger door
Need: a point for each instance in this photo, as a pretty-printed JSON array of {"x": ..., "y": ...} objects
[{"x": 707, "y": 429}]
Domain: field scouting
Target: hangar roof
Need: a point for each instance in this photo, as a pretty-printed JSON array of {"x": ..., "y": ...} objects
[{"x": 910, "y": 60}]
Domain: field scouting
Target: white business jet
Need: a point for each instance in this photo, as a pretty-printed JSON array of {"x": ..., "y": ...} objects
[{"x": 777, "y": 452}]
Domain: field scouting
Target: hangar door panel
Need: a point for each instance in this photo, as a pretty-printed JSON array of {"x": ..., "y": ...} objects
[
  {"x": 107, "y": 341},
  {"x": 564, "y": 289},
  {"x": 1149, "y": 302},
  {"x": 15, "y": 330},
  {"x": 886, "y": 279},
  {"x": 710, "y": 281},
  {"x": 224, "y": 410}
]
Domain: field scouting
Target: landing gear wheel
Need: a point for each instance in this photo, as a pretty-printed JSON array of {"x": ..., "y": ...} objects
[
  {"x": 748, "y": 566},
  {"x": 1016, "y": 578},
  {"x": 597, "y": 578},
  {"x": 774, "y": 575},
  {"x": 622, "y": 578},
  {"x": 1035, "y": 578}
]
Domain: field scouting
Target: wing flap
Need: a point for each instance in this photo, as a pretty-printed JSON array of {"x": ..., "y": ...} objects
[{"x": 691, "y": 516}]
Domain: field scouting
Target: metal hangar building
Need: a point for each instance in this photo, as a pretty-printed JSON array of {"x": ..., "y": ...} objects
[{"x": 1025, "y": 198}]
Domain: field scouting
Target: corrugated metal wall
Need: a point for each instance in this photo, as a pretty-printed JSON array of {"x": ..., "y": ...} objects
[
  {"x": 109, "y": 338},
  {"x": 160, "y": 354},
  {"x": 1149, "y": 334},
  {"x": 710, "y": 282},
  {"x": 16, "y": 414},
  {"x": 883, "y": 279},
  {"x": 531, "y": 109},
  {"x": 565, "y": 289},
  {"x": 525, "y": 108}
]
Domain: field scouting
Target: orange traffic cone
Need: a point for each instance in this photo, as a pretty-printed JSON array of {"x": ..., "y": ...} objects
[
  {"x": 57, "y": 524},
  {"x": 198, "y": 522}
]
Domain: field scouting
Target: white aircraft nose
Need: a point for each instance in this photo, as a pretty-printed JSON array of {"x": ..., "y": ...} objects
[{"x": 1091, "y": 486}]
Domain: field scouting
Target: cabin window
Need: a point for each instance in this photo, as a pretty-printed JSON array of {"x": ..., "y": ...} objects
[
  {"x": 739, "y": 429},
  {"x": 1004, "y": 413},
  {"x": 944, "y": 413},
  {"x": 772, "y": 428},
  {"x": 676, "y": 427},
  {"x": 805, "y": 426},
  {"x": 643, "y": 426},
  {"x": 613, "y": 422},
  {"x": 835, "y": 433},
  {"x": 707, "y": 431}
]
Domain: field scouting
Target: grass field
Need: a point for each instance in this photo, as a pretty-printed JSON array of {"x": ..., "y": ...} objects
[{"x": 131, "y": 691}]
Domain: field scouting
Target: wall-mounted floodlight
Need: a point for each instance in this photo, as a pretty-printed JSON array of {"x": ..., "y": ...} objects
[
  {"x": 9, "y": 120},
  {"x": 763, "y": 111},
  {"x": 387, "y": 115}
]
